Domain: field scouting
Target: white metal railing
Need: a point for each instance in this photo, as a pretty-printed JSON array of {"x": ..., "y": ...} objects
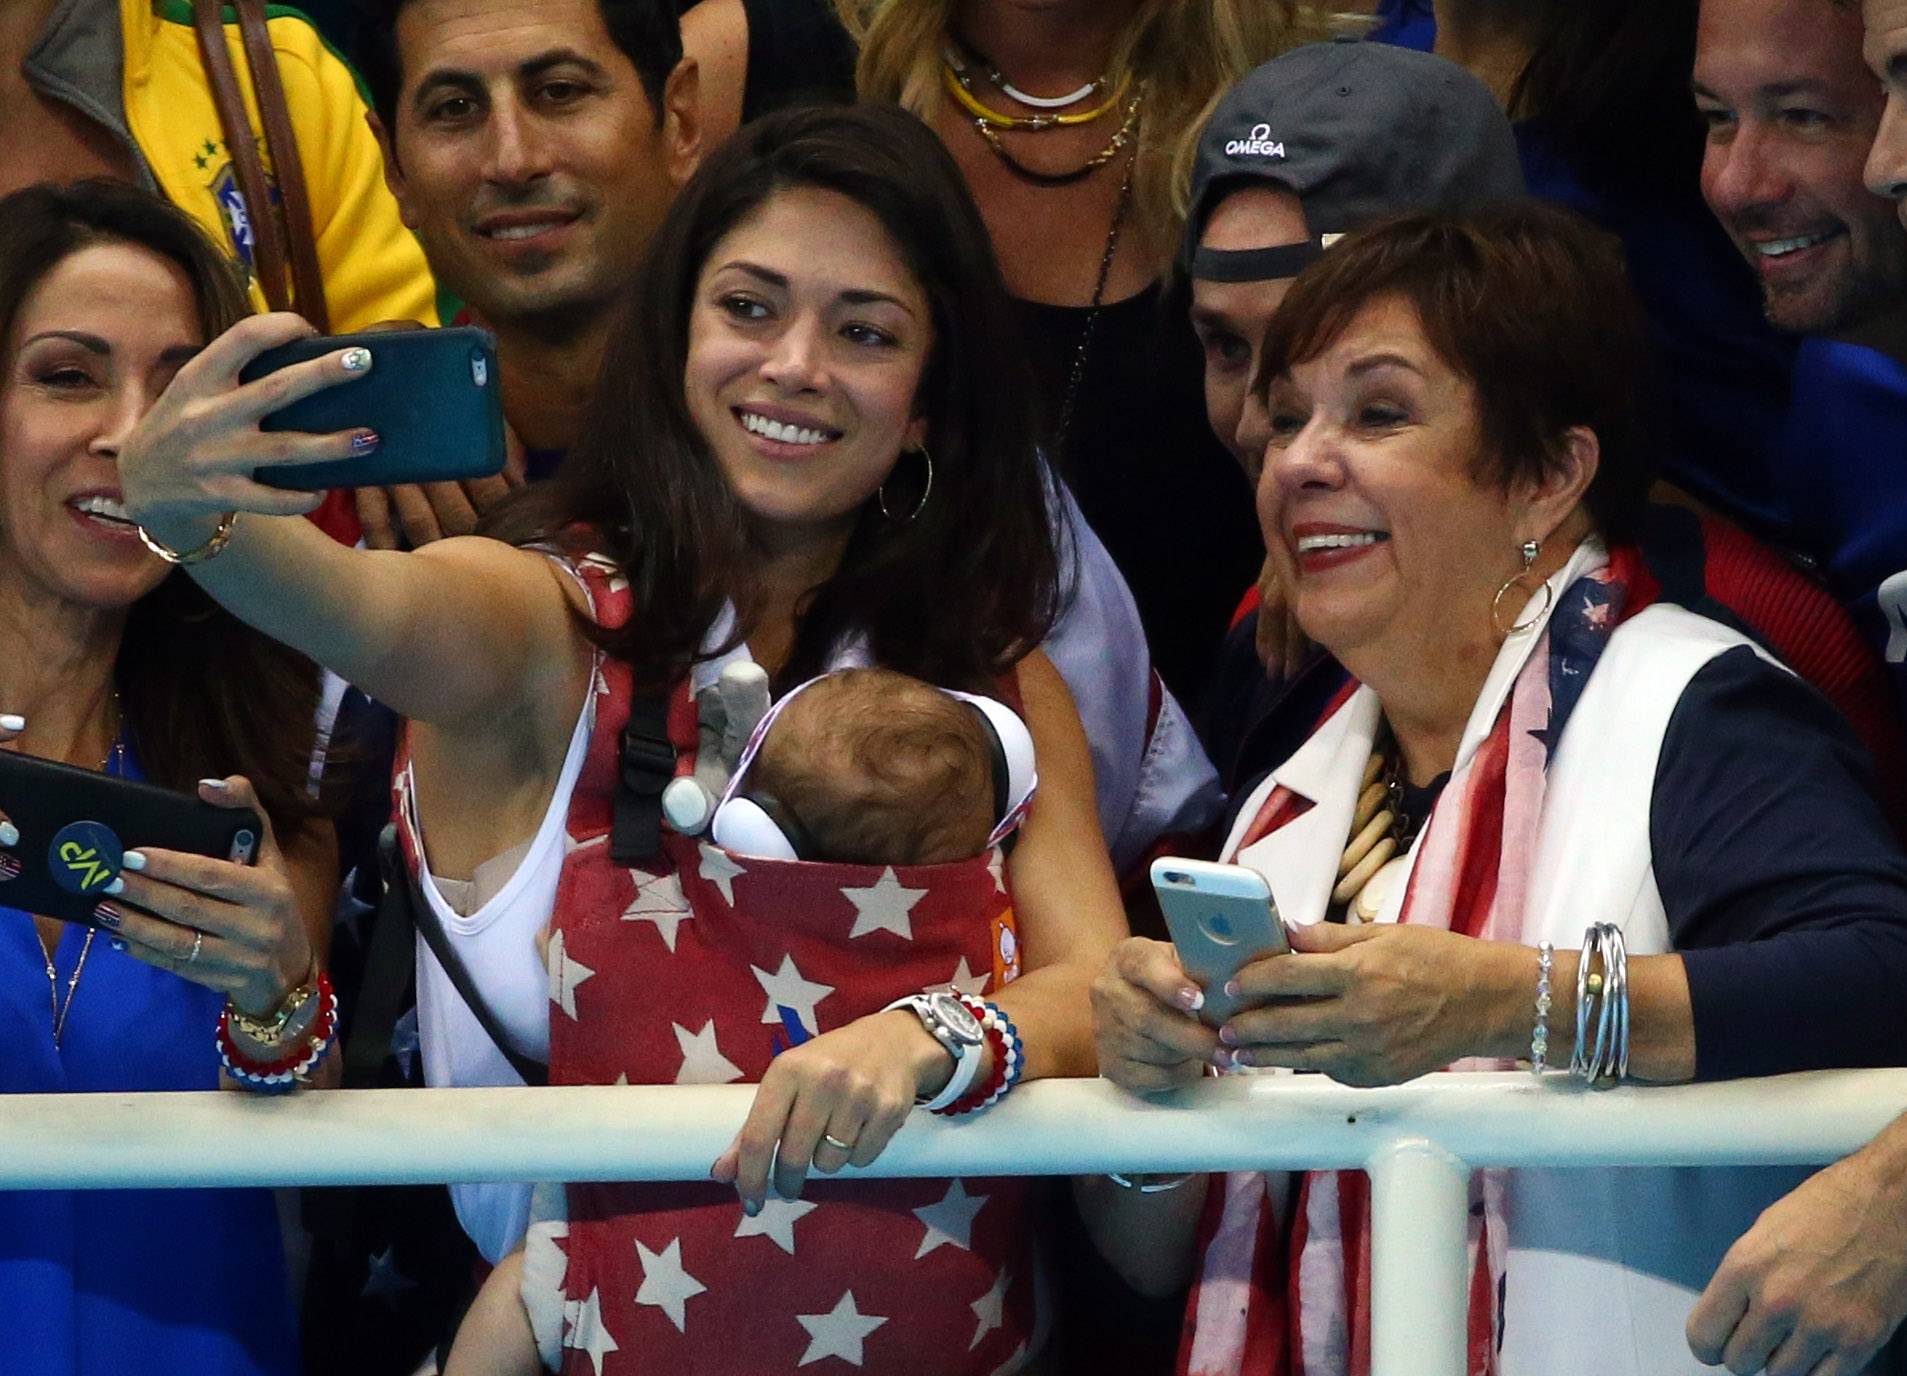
[{"x": 1419, "y": 1141}]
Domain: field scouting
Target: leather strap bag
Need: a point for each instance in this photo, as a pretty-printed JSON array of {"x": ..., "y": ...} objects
[{"x": 284, "y": 244}]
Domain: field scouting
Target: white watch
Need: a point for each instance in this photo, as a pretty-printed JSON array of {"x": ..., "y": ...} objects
[{"x": 953, "y": 1024}]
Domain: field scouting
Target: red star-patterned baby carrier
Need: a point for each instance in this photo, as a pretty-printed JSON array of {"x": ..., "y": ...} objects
[{"x": 698, "y": 967}]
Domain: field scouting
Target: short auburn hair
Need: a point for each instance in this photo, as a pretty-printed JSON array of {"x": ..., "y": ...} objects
[{"x": 1532, "y": 305}]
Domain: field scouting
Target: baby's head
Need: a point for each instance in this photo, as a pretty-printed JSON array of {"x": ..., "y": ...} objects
[{"x": 868, "y": 766}]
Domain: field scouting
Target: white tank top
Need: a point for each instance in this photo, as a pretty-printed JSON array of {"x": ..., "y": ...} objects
[{"x": 497, "y": 944}]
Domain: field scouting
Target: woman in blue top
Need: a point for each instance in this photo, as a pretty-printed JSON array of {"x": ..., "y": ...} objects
[{"x": 115, "y": 662}]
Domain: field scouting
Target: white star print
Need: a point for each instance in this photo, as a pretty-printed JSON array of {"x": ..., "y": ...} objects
[
  {"x": 787, "y": 989},
  {"x": 951, "y": 1220},
  {"x": 838, "y": 1333},
  {"x": 990, "y": 1309},
  {"x": 776, "y": 1221},
  {"x": 719, "y": 870},
  {"x": 884, "y": 906},
  {"x": 584, "y": 1330},
  {"x": 571, "y": 845},
  {"x": 659, "y": 900},
  {"x": 702, "y": 1062},
  {"x": 666, "y": 1285},
  {"x": 964, "y": 981},
  {"x": 565, "y": 975}
]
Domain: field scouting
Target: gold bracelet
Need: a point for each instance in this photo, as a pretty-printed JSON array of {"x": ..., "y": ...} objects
[
  {"x": 211, "y": 548},
  {"x": 270, "y": 1029}
]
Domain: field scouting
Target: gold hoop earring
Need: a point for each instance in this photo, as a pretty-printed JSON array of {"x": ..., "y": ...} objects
[
  {"x": 1529, "y": 551},
  {"x": 926, "y": 491}
]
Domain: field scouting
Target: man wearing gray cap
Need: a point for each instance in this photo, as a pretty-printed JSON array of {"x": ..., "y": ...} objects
[{"x": 1311, "y": 145}]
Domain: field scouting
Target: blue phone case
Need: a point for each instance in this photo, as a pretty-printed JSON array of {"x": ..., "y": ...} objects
[{"x": 431, "y": 396}]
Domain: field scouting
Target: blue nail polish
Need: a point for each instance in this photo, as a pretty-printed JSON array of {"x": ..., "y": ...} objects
[
  {"x": 751, "y": 1207},
  {"x": 107, "y": 916},
  {"x": 364, "y": 442},
  {"x": 134, "y": 860},
  {"x": 117, "y": 886}
]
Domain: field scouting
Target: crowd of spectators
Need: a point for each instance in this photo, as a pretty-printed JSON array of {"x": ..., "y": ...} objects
[{"x": 1434, "y": 457}]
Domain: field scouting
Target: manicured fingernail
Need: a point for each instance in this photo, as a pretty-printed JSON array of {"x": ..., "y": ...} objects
[
  {"x": 364, "y": 441},
  {"x": 216, "y": 785},
  {"x": 12, "y": 721},
  {"x": 1223, "y": 1058},
  {"x": 355, "y": 360},
  {"x": 9, "y": 834},
  {"x": 1191, "y": 1000},
  {"x": 118, "y": 945},
  {"x": 1227, "y": 1035},
  {"x": 134, "y": 860},
  {"x": 107, "y": 916},
  {"x": 751, "y": 1207},
  {"x": 9, "y": 867},
  {"x": 117, "y": 886},
  {"x": 1232, "y": 989}
]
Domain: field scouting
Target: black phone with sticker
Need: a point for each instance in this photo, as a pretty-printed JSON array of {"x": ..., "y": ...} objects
[
  {"x": 75, "y": 827},
  {"x": 431, "y": 397}
]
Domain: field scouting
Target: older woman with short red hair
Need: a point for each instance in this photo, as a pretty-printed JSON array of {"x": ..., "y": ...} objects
[{"x": 1553, "y": 819}]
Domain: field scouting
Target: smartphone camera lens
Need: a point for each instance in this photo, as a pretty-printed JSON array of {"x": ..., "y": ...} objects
[
  {"x": 479, "y": 368},
  {"x": 243, "y": 842}
]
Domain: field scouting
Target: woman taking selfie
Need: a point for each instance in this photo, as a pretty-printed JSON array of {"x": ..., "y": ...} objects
[
  {"x": 805, "y": 441},
  {"x": 1554, "y": 818},
  {"x": 118, "y": 663}
]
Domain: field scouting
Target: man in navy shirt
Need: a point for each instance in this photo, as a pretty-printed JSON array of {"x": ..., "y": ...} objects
[
  {"x": 1820, "y": 1282},
  {"x": 1792, "y": 112}
]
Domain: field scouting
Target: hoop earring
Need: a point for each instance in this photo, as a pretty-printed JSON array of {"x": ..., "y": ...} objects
[
  {"x": 925, "y": 492},
  {"x": 1529, "y": 551}
]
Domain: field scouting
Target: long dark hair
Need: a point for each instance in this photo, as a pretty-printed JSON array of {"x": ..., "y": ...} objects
[
  {"x": 954, "y": 596},
  {"x": 201, "y": 692}
]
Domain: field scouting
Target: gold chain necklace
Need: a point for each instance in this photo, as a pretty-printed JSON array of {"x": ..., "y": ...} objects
[{"x": 114, "y": 757}]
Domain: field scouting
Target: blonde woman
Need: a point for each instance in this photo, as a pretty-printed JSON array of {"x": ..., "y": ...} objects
[{"x": 1071, "y": 123}]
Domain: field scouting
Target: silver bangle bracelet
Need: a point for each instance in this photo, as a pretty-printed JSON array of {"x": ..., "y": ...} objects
[{"x": 1603, "y": 998}]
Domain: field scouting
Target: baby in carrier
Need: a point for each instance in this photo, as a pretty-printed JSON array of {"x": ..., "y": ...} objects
[
  {"x": 867, "y": 766},
  {"x": 859, "y": 766}
]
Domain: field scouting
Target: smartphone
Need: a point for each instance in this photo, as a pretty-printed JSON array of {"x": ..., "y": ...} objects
[
  {"x": 431, "y": 396},
  {"x": 75, "y": 826},
  {"x": 1221, "y": 918}
]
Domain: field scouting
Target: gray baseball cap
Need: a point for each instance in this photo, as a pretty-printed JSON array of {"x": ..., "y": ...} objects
[{"x": 1358, "y": 131}]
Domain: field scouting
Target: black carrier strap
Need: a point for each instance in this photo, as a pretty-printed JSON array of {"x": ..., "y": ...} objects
[
  {"x": 648, "y": 764},
  {"x": 405, "y": 907}
]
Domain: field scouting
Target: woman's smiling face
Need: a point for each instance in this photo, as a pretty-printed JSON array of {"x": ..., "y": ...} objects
[
  {"x": 1371, "y": 504},
  {"x": 91, "y": 348},
  {"x": 808, "y": 339}
]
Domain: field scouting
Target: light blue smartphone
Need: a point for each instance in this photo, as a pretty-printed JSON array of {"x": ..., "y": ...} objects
[{"x": 1221, "y": 918}]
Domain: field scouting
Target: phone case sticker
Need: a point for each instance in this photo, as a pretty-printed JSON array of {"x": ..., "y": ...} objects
[{"x": 85, "y": 857}]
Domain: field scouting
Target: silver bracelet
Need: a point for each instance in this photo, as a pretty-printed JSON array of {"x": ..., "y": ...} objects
[
  {"x": 1539, "y": 1036},
  {"x": 1606, "y": 1061},
  {"x": 1579, "y": 1063}
]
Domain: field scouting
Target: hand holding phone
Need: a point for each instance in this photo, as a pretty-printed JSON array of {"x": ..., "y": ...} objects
[
  {"x": 430, "y": 396},
  {"x": 72, "y": 828},
  {"x": 1221, "y": 918}
]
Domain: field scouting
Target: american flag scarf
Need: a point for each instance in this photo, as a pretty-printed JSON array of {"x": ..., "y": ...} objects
[{"x": 1298, "y": 1303}]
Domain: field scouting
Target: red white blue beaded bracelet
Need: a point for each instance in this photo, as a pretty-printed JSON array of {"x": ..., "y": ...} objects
[
  {"x": 1009, "y": 1060},
  {"x": 282, "y": 1075}
]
